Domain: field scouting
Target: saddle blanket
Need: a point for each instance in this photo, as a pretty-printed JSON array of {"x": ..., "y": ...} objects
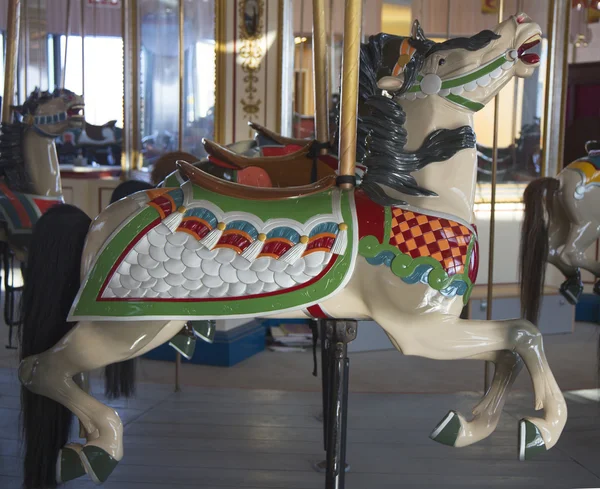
[
  {"x": 190, "y": 253},
  {"x": 21, "y": 211}
]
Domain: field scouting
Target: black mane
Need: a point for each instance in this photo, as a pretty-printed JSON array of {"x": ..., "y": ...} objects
[
  {"x": 12, "y": 161},
  {"x": 381, "y": 135}
]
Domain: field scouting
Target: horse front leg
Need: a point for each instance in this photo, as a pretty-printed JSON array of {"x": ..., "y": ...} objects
[{"x": 445, "y": 337}]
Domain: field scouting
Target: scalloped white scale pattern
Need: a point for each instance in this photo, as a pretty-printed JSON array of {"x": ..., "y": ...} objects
[{"x": 173, "y": 265}]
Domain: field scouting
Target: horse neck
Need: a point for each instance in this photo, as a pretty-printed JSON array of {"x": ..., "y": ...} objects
[
  {"x": 454, "y": 179},
  {"x": 41, "y": 162}
]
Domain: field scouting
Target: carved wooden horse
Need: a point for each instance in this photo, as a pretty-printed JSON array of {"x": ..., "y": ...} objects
[
  {"x": 561, "y": 222},
  {"x": 29, "y": 170},
  {"x": 204, "y": 248}
]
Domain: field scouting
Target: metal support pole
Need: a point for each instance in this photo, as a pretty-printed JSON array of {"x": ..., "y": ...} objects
[
  {"x": 349, "y": 103},
  {"x": 82, "y": 13},
  {"x": 490, "y": 289},
  {"x": 12, "y": 51},
  {"x": 320, "y": 71},
  {"x": 341, "y": 333}
]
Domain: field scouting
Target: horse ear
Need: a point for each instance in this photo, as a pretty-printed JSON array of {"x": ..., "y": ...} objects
[{"x": 417, "y": 32}]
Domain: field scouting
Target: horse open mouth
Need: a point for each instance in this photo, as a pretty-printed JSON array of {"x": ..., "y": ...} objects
[
  {"x": 75, "y": 112},
  {"x": 530, "y": 58}
]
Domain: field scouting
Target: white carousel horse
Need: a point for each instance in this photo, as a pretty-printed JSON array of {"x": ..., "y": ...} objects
[
  {"x": 561, "y": 222},
  {"x": 205, "y": 248},
  {"x": 29, "y": 165}
]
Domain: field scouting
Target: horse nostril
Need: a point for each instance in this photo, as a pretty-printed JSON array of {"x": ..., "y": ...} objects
[{"x": 522, "y": 19}]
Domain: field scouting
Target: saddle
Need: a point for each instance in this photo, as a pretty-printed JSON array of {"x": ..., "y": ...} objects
[
  {"x": 278, "y": 138},
  {"x": 291, "y": 170},
  {"x": 231, "y": 189}
]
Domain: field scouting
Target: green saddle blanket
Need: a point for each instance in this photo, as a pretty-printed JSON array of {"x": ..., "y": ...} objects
[{"x": 189, "y": 253}]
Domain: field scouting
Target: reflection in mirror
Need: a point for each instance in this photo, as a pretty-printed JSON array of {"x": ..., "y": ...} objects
[
  {"x": 159, "y": 77},
  {"x": 251, "y": 17}
]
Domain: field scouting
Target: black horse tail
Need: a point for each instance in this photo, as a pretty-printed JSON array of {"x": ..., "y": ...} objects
[
  {"x": 538, "y": 199},
  {"x": 52, "y": 280},
  {"x": 119, "y": 379}
]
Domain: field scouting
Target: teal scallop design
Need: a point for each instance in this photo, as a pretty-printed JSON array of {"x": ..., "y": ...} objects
[{"x": 424, "y": 269}]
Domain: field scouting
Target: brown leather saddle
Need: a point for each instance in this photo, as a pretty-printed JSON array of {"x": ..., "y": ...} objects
[
  {"x": 292, "y": 170},
  {"x": 278, "y": 138},
  {"x": 231, "y": 189}
]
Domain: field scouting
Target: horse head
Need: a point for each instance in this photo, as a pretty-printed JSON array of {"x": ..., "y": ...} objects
[
  {"x": 469, "y": 72},
  {"x": 52, "y": 114}
]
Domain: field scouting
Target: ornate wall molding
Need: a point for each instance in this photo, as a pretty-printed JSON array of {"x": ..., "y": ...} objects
[{"x": 249, "y": 78}]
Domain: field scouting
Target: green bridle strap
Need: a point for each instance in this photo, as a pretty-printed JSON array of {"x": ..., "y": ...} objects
[{"x": 464, "y": 80}]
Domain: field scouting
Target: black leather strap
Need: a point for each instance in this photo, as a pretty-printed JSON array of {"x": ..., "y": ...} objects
[{"x": 343, "y": 179}]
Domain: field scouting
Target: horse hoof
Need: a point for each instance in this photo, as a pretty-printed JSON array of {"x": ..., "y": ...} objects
[
  {"x": 531, "y": 442},
  {"x": 447, "y": 430},
  {"x": 572, "y": 290},
  {"x": 69, "y": 464},
  {"x": 99, "y": 464},
  {"x": 184, "y": 344}
]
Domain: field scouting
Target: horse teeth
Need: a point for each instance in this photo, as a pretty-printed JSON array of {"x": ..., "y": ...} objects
[
  {"x": 469, "y": 87},
  {"x": 457, "y": 90},
  {"x": 496, "y": 73},
  {"x": 484, "y": 81}
]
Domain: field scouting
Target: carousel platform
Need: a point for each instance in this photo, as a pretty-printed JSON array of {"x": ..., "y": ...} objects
[{"x": 257, "y": 439}]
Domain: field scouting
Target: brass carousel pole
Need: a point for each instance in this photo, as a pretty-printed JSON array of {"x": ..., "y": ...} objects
[
  {"x": 490, "y": 288},
  {"x": 180, "y": 139},
  {"x": 12, "y": 51},
  {"x": 82, "y": 47},
  {"x": 349, "y": 98},
  {"x": 67, "y": 35},
  {"x": 320, "y": 72}
]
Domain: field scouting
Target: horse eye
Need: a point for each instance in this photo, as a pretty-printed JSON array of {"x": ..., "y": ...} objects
[{"x": 442, "y": 61}]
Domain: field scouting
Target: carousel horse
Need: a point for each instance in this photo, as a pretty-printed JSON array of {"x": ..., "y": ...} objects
[
  {"x": 29, "y": 171},
  {"x": 560, "y": 223},
  {"x": 30, "y": 175},
  {"x": 399, "y": 249}
]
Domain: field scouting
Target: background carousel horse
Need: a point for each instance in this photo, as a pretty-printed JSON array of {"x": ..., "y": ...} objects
[
  {"x": 519, "y": 161},
  {"x": 561, "y": 222},
  {"x": 29, "y": 172},
  {"x": 201, "y": 247}
]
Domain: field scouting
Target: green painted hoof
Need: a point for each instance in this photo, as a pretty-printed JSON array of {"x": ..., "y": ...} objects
[
  {"x": 205, "y": 330},
  {"x": 446, "y": 432},
  {"x": 184, "y": 344},
  {"x": 70, "y": 466},
  {"x": 531, "y": 442},
  {"x": 98, "y": 463}
]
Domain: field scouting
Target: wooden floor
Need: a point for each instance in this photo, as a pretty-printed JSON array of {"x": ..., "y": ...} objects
[{"x": 208, "y": 438}]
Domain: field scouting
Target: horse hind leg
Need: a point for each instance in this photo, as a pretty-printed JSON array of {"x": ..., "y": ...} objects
[
  {"x": 455, "y": 430},
  {"x": 580, "y": 238},
  {"x": 445, "y": 337},
  {"x": 558, "y": 233},
  {"x": 86, "y": 347}
]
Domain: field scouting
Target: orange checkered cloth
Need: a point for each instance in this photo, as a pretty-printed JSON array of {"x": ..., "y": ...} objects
[{"x": 419, "y": 235}]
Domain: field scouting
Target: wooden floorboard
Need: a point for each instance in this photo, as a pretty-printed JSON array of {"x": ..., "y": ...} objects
[{"x": 208, "y": 438}]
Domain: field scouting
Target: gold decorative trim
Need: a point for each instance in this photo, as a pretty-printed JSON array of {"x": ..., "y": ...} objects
[
  {"x": 220, "y": 65},
  {"x": 251, "y": 54}
]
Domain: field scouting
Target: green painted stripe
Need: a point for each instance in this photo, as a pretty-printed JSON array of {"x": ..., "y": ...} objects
[
  {"x": 465, "y": 102},
  {"x": 463, "y": 80}
]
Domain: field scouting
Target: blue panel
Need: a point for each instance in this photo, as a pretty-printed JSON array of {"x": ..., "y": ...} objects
[
  {"x": 228, "y": 348},
  {"x": 588, "y": 309}
]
